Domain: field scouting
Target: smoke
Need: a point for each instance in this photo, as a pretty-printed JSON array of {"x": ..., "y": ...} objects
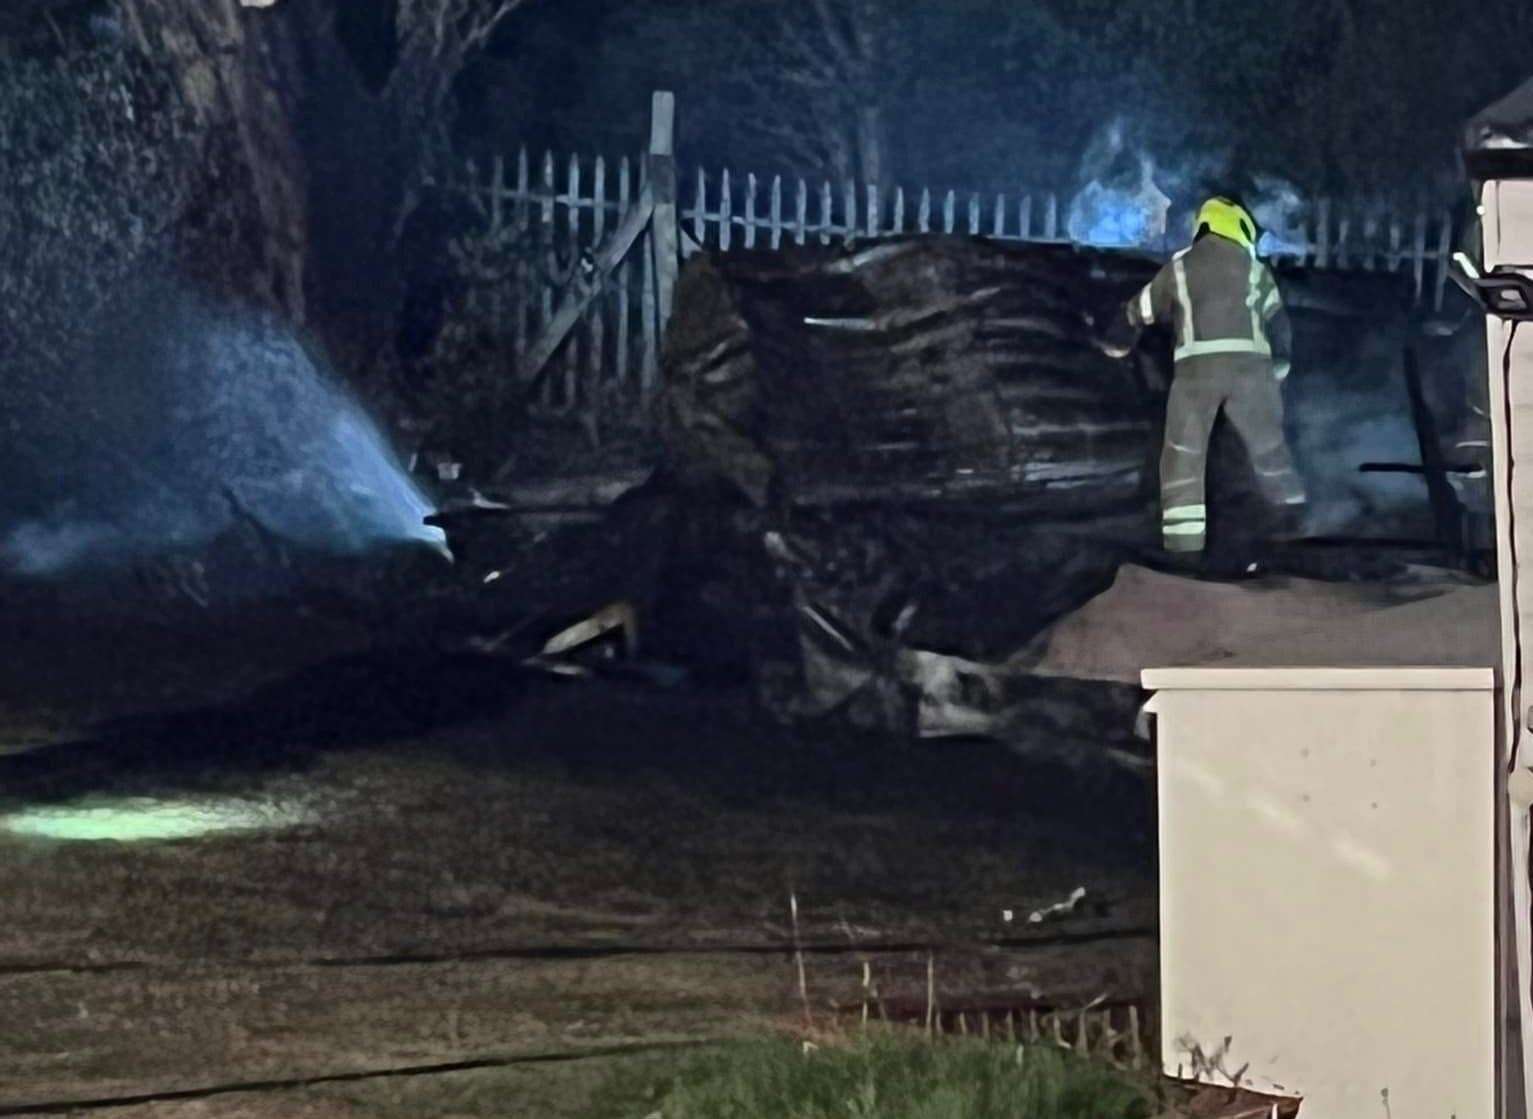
[
  {"x": 55, "y": 544},
  {"x": 185, "y": 419},
  {"x": 1131, "y": 197},
  {"x": 1120, "y": 205},
  {"x": 1121, "y": 217},
  {"x": 1350, "y": 407},
  {"x": 1280, "y": 212},
  {"x": 1332, "y": 443}
]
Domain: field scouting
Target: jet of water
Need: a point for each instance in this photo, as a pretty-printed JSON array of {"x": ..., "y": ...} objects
[{"x": 190, "y": 416}]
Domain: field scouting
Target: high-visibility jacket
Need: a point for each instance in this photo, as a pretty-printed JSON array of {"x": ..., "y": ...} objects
[{"x": 1220, "y": 299}]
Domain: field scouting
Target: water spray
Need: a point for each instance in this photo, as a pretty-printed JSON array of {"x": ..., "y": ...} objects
[{"x": 191, "y": 417}]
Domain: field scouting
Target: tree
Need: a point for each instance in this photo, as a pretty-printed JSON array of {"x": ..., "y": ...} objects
[
  {"x": 333, "y": 165},
  {"x": 818, "y": 82},
  {"x": 1340, "y": 96},
  {"x": 99, "y": 171},
  {"x": 1360, "y": 98},
  {"x": 1382, "y": 125},
  {"x": 807, "y": 86},
  {"x": 841, "y": 89}
]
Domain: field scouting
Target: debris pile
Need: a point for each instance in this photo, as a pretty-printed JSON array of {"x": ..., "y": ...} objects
[{"x": 890, "y": 470}]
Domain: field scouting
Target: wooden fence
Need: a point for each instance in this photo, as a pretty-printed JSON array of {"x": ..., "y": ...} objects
[
  {"x": 537, "y": 240},
  {"x": 749, "y": 216},
  {"x": 550, "y": 219}
]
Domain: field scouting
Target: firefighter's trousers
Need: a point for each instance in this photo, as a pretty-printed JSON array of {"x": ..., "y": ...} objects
[{"x": 1244, "y": 387}]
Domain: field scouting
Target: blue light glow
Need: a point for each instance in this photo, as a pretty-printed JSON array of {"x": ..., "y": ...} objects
[
  {"x": 1122, "y": 215},
  {"x": 1129, "y": 195},
  {"x": 1110, "y": 218}
]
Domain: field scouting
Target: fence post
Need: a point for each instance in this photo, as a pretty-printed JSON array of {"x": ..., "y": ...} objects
[
  {"x": 572, "y": 347},
  {"x": 1000, "y": 215},
  {"x": 700, "y": 212},
  {"x": 825, "y": 212},
  {"x": 949, "y": 205},
  {"x": 776, "y": 211},
  {"x": 874, "y": 227},
  {"x": 801, "y": 213},
  {"x": 924, "y": 216},
  {"x": 523, "y": 270},
  {"x": 497, "y": 293},
  {"x": 550, "y": 259},
  {"x": 1051, "y": 218},
  {"x": 1025, "y": 217},
  {"x": 1323, "y": 235},
  {"x": 851, "y": 210},
  {"x": 596, "y": 355},
  {"x": 662, "y": 177},
  {"x": 625, "y": 195},
  {"x": 1444, "y": 254},
  {"x": 726, "y": 211},
  {"x": 750, "y": 210},
  {"x": 1420, "y": 253},
  {"x": 899, "y": 209},
  {"x": 649, "y": 359},
  {"x": 974, "y": 214}
]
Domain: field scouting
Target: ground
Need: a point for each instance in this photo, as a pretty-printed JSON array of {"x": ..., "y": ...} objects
[{"x": 483, "y": 890}]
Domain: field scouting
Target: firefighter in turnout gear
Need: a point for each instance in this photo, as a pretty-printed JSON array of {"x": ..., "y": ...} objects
[{"x": 1233, "y": 346}]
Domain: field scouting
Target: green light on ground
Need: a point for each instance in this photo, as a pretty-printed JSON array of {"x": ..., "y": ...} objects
[{"x": 141, "y": 819}]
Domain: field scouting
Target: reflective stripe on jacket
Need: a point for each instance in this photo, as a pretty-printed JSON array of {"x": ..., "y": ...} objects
[{"x": 1221, "y": 299}]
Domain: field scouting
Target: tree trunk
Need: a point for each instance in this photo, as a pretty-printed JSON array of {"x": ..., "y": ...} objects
[
  {"x": 239, "y": 72},
  {"x": 869, "y": 21},
  {"x": 870, "y": 143},
  {"x": 842, "y": 160},
  {"x": 331, "y": 169}
]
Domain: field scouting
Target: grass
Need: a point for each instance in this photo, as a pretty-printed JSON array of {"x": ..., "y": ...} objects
[{"x": 885, "y": 1074}]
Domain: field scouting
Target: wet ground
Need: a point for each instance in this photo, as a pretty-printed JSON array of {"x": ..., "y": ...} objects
[{"x": 401, "y": 885}]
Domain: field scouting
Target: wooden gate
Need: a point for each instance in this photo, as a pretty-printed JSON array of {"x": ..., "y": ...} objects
[{"x": 581, "y": 309}]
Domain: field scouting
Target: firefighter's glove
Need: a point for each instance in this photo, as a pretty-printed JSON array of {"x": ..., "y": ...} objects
[
  {"x": 1281, "y": 368},
  {"x": 1117, "y": 341}
]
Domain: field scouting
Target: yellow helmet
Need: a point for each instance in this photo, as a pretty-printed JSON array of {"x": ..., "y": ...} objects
[{"x": 1229, "y": 219}]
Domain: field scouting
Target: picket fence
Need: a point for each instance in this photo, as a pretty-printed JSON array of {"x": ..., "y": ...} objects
[{"x": 544, "y": 222}]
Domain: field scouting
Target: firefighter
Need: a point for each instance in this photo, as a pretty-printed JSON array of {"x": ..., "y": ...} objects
[{"x": 1233, "y": 346}]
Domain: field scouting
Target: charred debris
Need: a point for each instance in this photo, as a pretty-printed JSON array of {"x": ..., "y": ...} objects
[{"x": 885, "y": 470}]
